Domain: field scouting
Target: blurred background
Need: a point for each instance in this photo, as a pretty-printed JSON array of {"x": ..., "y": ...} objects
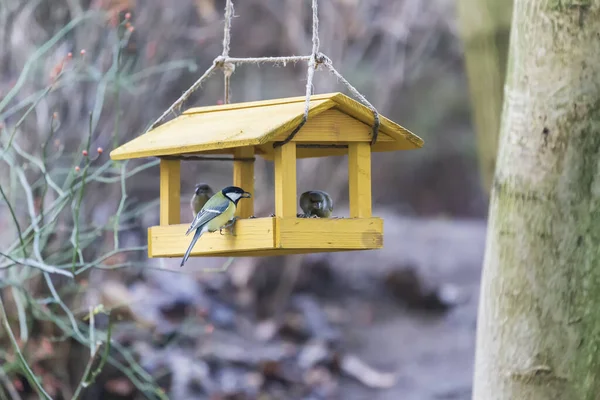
[{"x": 80, "y": 77}]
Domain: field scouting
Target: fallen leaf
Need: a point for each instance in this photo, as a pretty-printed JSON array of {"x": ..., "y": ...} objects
[{"x": 365, "y": 374}]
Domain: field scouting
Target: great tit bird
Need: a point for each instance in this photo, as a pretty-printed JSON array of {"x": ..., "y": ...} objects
[
  {"x": 316, "y": 203},
  {"x": 217, "y": 213},
  {"x": 202, "y": 193}
]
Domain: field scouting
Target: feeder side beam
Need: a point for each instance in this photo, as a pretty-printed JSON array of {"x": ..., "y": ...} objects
[
  {"x": 359, "y": 179},
  {"x": 285, "y": 180},
  {"x": 170, "y": 192},
  {"x": 243, "y": 176}
]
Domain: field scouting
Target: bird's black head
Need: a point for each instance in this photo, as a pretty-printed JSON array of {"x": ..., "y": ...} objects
[
  {"x": 202, "y": 188},
  {"x": 235, "y": 193}
]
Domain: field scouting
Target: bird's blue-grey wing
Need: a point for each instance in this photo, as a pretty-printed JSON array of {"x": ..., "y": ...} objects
[{"x": 206, "y": 214}]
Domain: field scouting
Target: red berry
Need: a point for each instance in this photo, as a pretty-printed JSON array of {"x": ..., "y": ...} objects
[{"x": 85, "y": 153}]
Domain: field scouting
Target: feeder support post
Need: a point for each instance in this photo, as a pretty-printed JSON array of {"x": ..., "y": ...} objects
[
  {"x": 243, "y": 176},
  {"x": 170, "y": 192},
  {"x": 285, "y": 180},
  {"x": 359, "y": 179}
]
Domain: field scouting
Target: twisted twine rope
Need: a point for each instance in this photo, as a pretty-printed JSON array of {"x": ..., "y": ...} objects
[
  {"x": 310, "y": 73},
  {"x": 314, "y": 60},
  {"x": 228, "y": 67}
]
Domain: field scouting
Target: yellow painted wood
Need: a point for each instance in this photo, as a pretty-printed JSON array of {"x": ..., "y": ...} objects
[
  {"x": 267, "y": 152},
  {"x": 253, "y": 124},
  {"x": 170, "y": 192},
  {"x": 243, "y": 176},
  {"x": 218, "y": 130},
  {"x": 390, "y": 128},
  {"x": 251, "y": 234},
  {"x": 271, "y": 236},
  {"x": 359, "y": 179},
  {"x": 222, "y": 152},
  {"x": 258, "y": 103},
  {"x": 276, "y": 252},
  {"x": 285, "y": 180},
  {"x": 334, "y": 126},
  {"x": 328, "y": 233}
]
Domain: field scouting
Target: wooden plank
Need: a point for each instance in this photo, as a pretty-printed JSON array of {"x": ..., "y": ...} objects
[
  {"x": 252, "y": 123},
  {"x": 251, "y": 235},
  {"x": 333, "y": 127},
  {"x": 259, "y": 103},
  {"x": 243, "y": 176},
  {"x": 170, "y": 192},
  {"x": 256, "y": 237},
  {"x": 365, "y": 115},
  {"x": 223, "y": 152},
  {"x": 344, "y": 103},
  {"x": 198, "y": 132},
  {"x": 359, "y": 180},
  {"x": 329, "y": 233},
  {"x": 275, "y": 252},
  {"x": 285, "y": 180},
  {"x": 267, "y": 152}
]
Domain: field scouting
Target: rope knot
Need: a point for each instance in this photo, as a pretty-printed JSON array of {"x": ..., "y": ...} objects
[
  {"x": 227, "y": 67},
  {"x": 321, "y": 58},
  {"x": 219, "y": 61}
]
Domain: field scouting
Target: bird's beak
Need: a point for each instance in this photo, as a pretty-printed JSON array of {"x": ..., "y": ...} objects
[{"x": 246, "y": 195}]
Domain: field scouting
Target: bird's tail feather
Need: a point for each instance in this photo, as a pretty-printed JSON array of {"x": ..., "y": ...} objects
[
  {"x": 189, "y": 230},
  {"x": 189, "y": 250}
]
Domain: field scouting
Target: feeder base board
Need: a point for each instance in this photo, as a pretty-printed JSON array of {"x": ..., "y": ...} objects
[{"x": 270, "y": 236}]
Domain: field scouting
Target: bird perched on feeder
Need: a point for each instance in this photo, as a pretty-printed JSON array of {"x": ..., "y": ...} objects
[
  {"x": 202, "y": 192},
  {"x": 316, "y": 203},
  {"x": 218, "y": 213}
]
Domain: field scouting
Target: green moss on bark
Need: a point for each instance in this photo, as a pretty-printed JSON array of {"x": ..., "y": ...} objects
[{"x": 539, "y": 318}]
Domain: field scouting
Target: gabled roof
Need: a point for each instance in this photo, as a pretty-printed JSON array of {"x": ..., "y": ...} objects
[{"x": 220, "y": 129}]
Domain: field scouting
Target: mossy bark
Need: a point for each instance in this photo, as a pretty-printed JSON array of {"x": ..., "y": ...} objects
[
  {"x": 485, "y": 30},
  {"x": 538, "y": 334}
]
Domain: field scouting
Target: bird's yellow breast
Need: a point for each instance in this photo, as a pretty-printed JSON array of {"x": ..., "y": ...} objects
[{"x": 222, "y": 219}]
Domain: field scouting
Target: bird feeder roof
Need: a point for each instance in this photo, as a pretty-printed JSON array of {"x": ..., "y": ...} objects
[{"x": 334, "y": 119}]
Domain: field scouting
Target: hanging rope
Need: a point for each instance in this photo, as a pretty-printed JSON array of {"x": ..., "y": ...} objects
[
  {"x": 227, "y": 66},
  {"x": 376, "y": 122},
  {"x": 314, "y": 60},
  {"x": 310, "y": 73}
]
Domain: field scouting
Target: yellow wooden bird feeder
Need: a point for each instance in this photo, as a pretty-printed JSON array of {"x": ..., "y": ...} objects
[{"x": 336, "y": 125}]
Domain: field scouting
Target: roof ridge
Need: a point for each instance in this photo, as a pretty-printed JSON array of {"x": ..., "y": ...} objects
[{"x": 260, "y": 103}]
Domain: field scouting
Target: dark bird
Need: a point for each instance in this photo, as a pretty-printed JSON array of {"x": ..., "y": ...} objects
[
  {"x": 202, "y": 193},
  {"x": 316, "y": 203}
]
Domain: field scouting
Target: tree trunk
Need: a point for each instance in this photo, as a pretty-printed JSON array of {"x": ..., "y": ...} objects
[
  {"x": 485, "y": 29},
  {"x": 538, "y": 334}
]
